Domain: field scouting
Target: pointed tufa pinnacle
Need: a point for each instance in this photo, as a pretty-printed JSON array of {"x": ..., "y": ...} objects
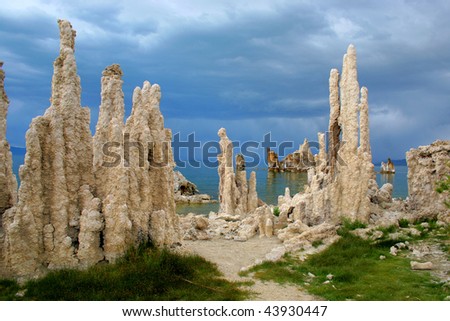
[
  {"x": 341, "y": 186},
  {"x": 364, "y": 129},
  {"x": 349, "y": 98},
  {"x": 236, "y": 194},
  {"x": 351, "y": 49},
  {"x": 67, "y": 35}
]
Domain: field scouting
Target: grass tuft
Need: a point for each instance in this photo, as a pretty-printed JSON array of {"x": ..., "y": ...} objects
[
  {"x": 403, "y": 223},
  {"x": 8, "y": 290},
  {"x": 358, "y": 273},
  {"x": 276, "y": 211},
  {"x": 317, "y": 243},
  {"x": 142, "y": 274},
  {"x": 348, "y": 225}
]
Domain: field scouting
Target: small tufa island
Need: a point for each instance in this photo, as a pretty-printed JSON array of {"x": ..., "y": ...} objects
[
  {"x": 387, "y": 168},
  {"x": 77, "y": 206}
]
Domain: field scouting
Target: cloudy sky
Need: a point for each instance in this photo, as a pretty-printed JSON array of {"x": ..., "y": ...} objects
[{"x": 250, "y": 66}]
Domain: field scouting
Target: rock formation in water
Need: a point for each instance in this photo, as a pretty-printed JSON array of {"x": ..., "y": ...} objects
[
  {"x": 387, "y": 168},
  {"x": 183, "y": 186},
  {"x": 339, "y": 183},
  {"x": 83, "y": 200},
  {"x": 299, "y": 161},
  {"x": 187, "y": 192},
  {"x": 236, "y": 194},
  {"x": 8, "y": 182},
  {"x": 273, "y": 164},
  {"x": 426, "y": 166}
]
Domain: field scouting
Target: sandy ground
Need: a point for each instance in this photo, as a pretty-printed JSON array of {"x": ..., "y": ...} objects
[{"x": 231, "y": 256}]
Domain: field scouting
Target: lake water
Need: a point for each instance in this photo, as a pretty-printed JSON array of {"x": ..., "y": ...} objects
[{"x": 269, "y": 185}]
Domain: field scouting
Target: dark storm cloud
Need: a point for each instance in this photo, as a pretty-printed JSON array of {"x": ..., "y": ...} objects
[{"x": 251, "y": 68}]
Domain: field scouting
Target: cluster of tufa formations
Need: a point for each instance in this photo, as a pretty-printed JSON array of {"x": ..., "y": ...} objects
[
  {"x": 85, "y": 199},
  {"x": 340, "y": 179},
  {"x": 341, "y": 183},
  {"x": 236, "y": 195}
]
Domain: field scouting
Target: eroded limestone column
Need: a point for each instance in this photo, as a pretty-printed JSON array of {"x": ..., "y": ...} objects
[
  {"x": 364, "y": 124},
  {"x": 349, "y": 89}
]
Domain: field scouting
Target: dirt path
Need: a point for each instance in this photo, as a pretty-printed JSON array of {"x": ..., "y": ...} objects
[{"x": 231, "y": 256}]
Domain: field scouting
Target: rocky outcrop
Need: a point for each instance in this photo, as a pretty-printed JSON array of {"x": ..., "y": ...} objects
[
  {"x": 273, "y": 164},
  {"x": 187, "y": 192},
  {"x": 183, "y": 186},
  {"x": 421, "y": 266},
  {"x": 383, "y": 194},
  {"x": 195, "y": 227},
  {"x": 426, "y": 166},
  {"x": 299, "y": 161},
  {"x": 236, "y": 194},
  {"x": 237, "y": 227},
  {"x": 339, "y": 183},
  {"x": 83, "y": 200},
  {"x": 8, "y": 182}
]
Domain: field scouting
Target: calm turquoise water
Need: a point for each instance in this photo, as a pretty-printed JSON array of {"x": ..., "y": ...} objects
[
  {"x": 399, "y": 180},
  {"x": 269, "y": 185}
]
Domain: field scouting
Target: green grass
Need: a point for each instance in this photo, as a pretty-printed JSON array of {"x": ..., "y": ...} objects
[
  {"x": 403, "y": 222},
  {"x": 347, "y": 225},
  {"x": 388, "y": 229},
  {"x": 143, "y": 274},
  {"x": 8, "y": 289},
  {"x": 276, "y": 211},
  {"x": 358, "y": 273},
  {"x": 443, "y": 186},
  {"x": 317, "y": 243}
]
